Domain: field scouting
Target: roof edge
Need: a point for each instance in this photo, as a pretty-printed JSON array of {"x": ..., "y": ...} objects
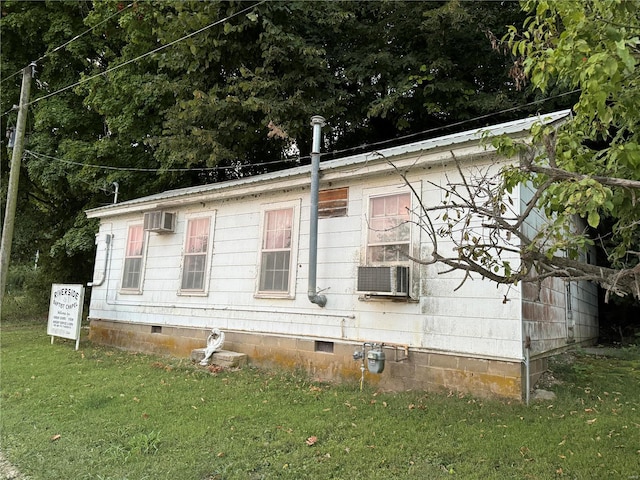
[{"x": 509, "y": 128}]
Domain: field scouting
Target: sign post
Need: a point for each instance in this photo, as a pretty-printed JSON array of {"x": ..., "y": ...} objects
[{"x": 65, "y": 312}]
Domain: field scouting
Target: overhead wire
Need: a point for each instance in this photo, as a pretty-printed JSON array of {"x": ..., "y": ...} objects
[
  {"x": 455, "y": 124},
  {"x": 83, "y": 33},
  {"x": 68, "y": 42},
  {"x": 12, "y": 109},
  {"x": 162, "y": 47},
  {"x": 11, "y": 76},
  {"x": 152, "y": 52},
  {"x": 156, "y": 170},
  {"x": 299, "y": 158}
]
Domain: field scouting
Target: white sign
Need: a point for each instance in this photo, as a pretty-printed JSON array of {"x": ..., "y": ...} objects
[{"x": 65, "y": 311}]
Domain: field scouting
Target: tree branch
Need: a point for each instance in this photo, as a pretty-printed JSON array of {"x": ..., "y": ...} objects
[{"x": 559, "y": 174}]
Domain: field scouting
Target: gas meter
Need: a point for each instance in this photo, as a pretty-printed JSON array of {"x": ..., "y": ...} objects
[{"x": 375, "y": 360}]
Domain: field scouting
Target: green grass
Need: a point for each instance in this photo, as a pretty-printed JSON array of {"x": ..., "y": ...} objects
[{"x": 99, "y": 414}]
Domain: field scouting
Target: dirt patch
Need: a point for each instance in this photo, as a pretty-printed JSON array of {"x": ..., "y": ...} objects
[
  {"x": 559, "y": 362},
  {"x": 8, "y": 471},
  {"x": 547, "y": 381}
]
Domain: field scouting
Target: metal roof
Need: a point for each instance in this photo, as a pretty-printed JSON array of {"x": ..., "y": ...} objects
[{"x": 475, "y": 135}]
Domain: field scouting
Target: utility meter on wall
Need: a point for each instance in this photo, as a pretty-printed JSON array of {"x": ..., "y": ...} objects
[{"x": 376, "y": 359}]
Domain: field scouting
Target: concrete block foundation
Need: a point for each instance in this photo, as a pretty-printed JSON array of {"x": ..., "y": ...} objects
[{"x": 330, "y": 360}]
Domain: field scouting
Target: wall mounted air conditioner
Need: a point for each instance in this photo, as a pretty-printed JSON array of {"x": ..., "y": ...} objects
[
  {"x": 384, "y": 281},
  {"x": 160, "y": 221}
]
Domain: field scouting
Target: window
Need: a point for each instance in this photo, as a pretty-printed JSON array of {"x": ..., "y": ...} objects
[
  {"x": 276, "y": 250},
  {"x": 195, "y": 254},
  {"x": 389, "y": 233},
  {"x": 132, "y": 274}
]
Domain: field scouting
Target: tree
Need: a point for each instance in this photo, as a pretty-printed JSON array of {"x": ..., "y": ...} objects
[
  {"x": 51, "y": 199},
  {"x": 593, "y": 163},
  {"x": 588, "y": 167},
  {"x": 241, "y": 92},
  {"x": 233, "y": 100}
]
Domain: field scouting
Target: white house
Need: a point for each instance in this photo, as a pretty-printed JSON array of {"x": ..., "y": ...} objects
[{"x": 236, "y": 256}]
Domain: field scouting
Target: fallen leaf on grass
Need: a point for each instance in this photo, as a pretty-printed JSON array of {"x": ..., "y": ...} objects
[
  {"x": 56, "y": 437},
  {"x": 311, "y": 440},
  {"x": 591, "y": 422}
]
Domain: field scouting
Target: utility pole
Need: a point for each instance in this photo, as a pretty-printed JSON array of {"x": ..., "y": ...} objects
[{"x": 14, "y": 177}]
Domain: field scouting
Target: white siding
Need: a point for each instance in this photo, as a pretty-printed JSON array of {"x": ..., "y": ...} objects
[
  {"x": 473, "y": 320},
  {"x": 478, "y": 319},
  {"x": 557, "y": 312}
]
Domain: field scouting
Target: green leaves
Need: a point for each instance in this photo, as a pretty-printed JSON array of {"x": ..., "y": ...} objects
[
  {"x": 589, "y": 46},
  {"x": 375, "y": 70},
  {"x": 593, "y": 218}
]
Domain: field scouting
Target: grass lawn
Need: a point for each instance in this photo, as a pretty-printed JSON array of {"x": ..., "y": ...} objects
[{"x": 99, "y": 413}]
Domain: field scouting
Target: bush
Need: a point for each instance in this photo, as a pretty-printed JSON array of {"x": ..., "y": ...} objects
[{"x": 26, "y": 295}]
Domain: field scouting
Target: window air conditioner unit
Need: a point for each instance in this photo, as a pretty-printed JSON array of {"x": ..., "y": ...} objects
[
  {"x": 159, "y": 221},
  {"x": 384, "y": 281}
]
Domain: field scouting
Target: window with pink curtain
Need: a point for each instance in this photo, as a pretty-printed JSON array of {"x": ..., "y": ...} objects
[
  {"x": 389, "y": 228},
  {"x": 132, "y": 272},
  {"x": 195, "y": 254},
  {"x": 276, "y": 251}
]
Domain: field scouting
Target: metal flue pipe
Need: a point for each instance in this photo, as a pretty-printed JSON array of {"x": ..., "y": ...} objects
[{"x": 317, "y": 122}]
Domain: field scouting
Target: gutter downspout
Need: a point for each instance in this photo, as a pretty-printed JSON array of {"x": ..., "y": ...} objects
[
  {"x": 317, "y": 122},
  {"x": 527, "y": 368},
  {"x": 107, "y": 248}
]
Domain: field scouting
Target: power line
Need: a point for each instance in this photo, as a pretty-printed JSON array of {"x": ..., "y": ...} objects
[
  {"x": 72, "y": 40},
  {"x": 300, "y": 158},
  {"x": 156, "y": 170},
  {"x": 12, "y": 109},
  {"x": 455, "y": 124},
  {"x": 217, "y": 22},
  {"x": 83, "y": 33},
  {"x": 11, "y": 76},
  {"x": 140, "y": 57}
]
